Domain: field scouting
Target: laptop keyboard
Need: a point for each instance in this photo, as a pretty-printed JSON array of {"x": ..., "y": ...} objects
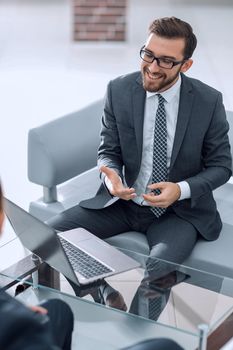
[{"x": 83, "y": 263}]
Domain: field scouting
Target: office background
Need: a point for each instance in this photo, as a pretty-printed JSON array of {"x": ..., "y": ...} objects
[{"x": 44, "y": 74}]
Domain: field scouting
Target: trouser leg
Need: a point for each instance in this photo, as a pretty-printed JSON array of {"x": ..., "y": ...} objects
[
  {"x": 61, "y": 322},
  {"x": 103, "y": 223},
  {"x": 171, "y": 239}
]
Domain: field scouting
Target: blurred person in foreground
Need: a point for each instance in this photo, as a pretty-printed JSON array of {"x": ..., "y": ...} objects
[{"x": 48, "y": 326}]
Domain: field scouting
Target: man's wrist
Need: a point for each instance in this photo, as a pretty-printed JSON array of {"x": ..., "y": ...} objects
[{"x": 108, "y": 183}]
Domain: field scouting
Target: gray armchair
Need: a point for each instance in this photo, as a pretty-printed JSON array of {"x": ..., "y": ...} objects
[{"x": 62, "y": 158}]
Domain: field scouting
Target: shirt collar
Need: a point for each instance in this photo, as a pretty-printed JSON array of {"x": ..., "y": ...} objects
[{"x": 169, "y": 93}]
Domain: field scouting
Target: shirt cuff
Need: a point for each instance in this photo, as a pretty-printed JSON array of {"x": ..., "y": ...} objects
[{"x": 185, "y": 191}]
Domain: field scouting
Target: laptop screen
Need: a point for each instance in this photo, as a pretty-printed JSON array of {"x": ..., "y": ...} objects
[{"x": 39, "y": 238}]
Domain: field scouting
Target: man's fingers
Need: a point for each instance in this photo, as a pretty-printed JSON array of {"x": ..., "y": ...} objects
[
  {"x": 157, "y": 185},
  {"x": 120, "y": 189},
  {"x": 130, "y": 190},
  {"x": 129, "y": 197},
  {"x": 117, "y": 187},
  {"x": 154, "y": 200},
  {"x": 125, "y": 193},
  {"x": 159, "y": 198},
  {"x": 38, "y": 309}
]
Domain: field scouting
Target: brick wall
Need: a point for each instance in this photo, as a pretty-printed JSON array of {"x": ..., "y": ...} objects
[{"x": 96, "y": 20}]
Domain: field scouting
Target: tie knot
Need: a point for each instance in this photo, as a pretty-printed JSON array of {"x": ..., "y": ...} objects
[{"x": 160, "y": 98}]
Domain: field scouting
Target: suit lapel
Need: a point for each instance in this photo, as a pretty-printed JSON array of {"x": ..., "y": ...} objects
[
  {"x": 184, "y": 113},
  {"x": 138, "y": 103}
]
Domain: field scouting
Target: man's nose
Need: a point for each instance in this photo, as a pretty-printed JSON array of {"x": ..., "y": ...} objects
[{"x": 154, "y": 67}]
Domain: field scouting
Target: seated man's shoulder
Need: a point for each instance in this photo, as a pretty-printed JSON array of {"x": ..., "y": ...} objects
[{"x": 202, "y": 87}]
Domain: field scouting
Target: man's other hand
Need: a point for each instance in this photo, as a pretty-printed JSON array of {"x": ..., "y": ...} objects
[
  {"x": 170, "y": 192},
  {"x": 116, "y": 187},
  {"x": 38, "y": 309}
]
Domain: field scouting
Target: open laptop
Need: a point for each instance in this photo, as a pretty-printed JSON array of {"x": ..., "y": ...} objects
[{"x": 77, "y": 254}]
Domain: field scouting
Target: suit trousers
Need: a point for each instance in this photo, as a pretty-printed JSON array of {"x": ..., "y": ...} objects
[{"x": 169, "y": 236}]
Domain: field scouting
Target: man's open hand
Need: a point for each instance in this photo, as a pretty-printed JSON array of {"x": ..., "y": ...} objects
[
  {"x": 170, "y": 192},
  {"x": 117, "y": 188}
]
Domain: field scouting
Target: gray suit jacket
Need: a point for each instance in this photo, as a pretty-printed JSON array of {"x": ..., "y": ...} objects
[{"x": 201, "y": 150}]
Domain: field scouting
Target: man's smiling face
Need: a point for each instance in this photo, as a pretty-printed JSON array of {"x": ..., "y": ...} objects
[{"x": 155, "y": 78}]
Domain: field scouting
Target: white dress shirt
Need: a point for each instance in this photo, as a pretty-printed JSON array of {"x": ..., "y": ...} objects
[{"x": 171, "y": 104}]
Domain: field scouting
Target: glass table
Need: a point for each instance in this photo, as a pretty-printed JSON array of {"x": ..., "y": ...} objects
[
  {"x": 16, "y": 260},
  {"x": 192, "y": 307},
  {"x": 98, "y": 327}
]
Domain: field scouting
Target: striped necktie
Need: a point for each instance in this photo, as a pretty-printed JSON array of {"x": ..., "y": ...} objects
[{"x": 159, "y": 168}]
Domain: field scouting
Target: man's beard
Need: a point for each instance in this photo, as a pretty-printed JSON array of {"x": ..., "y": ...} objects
[{"x": 157, "y": 85}]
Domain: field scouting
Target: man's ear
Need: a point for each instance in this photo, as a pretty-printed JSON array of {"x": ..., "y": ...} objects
[{"x": 186, "y": 65}]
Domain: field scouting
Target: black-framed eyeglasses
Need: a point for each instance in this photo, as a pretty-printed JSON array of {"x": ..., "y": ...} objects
[{"x": 162, "y": 62}]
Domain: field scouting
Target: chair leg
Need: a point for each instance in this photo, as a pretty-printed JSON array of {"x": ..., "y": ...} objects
[{"x": 35, "y": 280}]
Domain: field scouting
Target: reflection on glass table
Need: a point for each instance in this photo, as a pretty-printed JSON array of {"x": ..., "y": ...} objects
[
  {"x": 178, "y": 296},
  {"x": 100, "y": 328},
  {"x": 160, "y": 299}
]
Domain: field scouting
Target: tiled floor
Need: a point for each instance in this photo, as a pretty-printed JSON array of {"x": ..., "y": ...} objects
[{"x": 43, "y": 74}]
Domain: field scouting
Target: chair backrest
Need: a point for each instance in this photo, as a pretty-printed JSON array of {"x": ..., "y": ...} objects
[
  {"x": 64, "y": 147},
  {"x": 67, "y": 146}
]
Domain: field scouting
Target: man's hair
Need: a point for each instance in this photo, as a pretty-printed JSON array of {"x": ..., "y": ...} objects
[
  {"x": 174, "y": 28},
  {"x": 1, "y": 198}
]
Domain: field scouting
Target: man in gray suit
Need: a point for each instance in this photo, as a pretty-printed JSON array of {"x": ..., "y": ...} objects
[{"x": 164, "y": 149}]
